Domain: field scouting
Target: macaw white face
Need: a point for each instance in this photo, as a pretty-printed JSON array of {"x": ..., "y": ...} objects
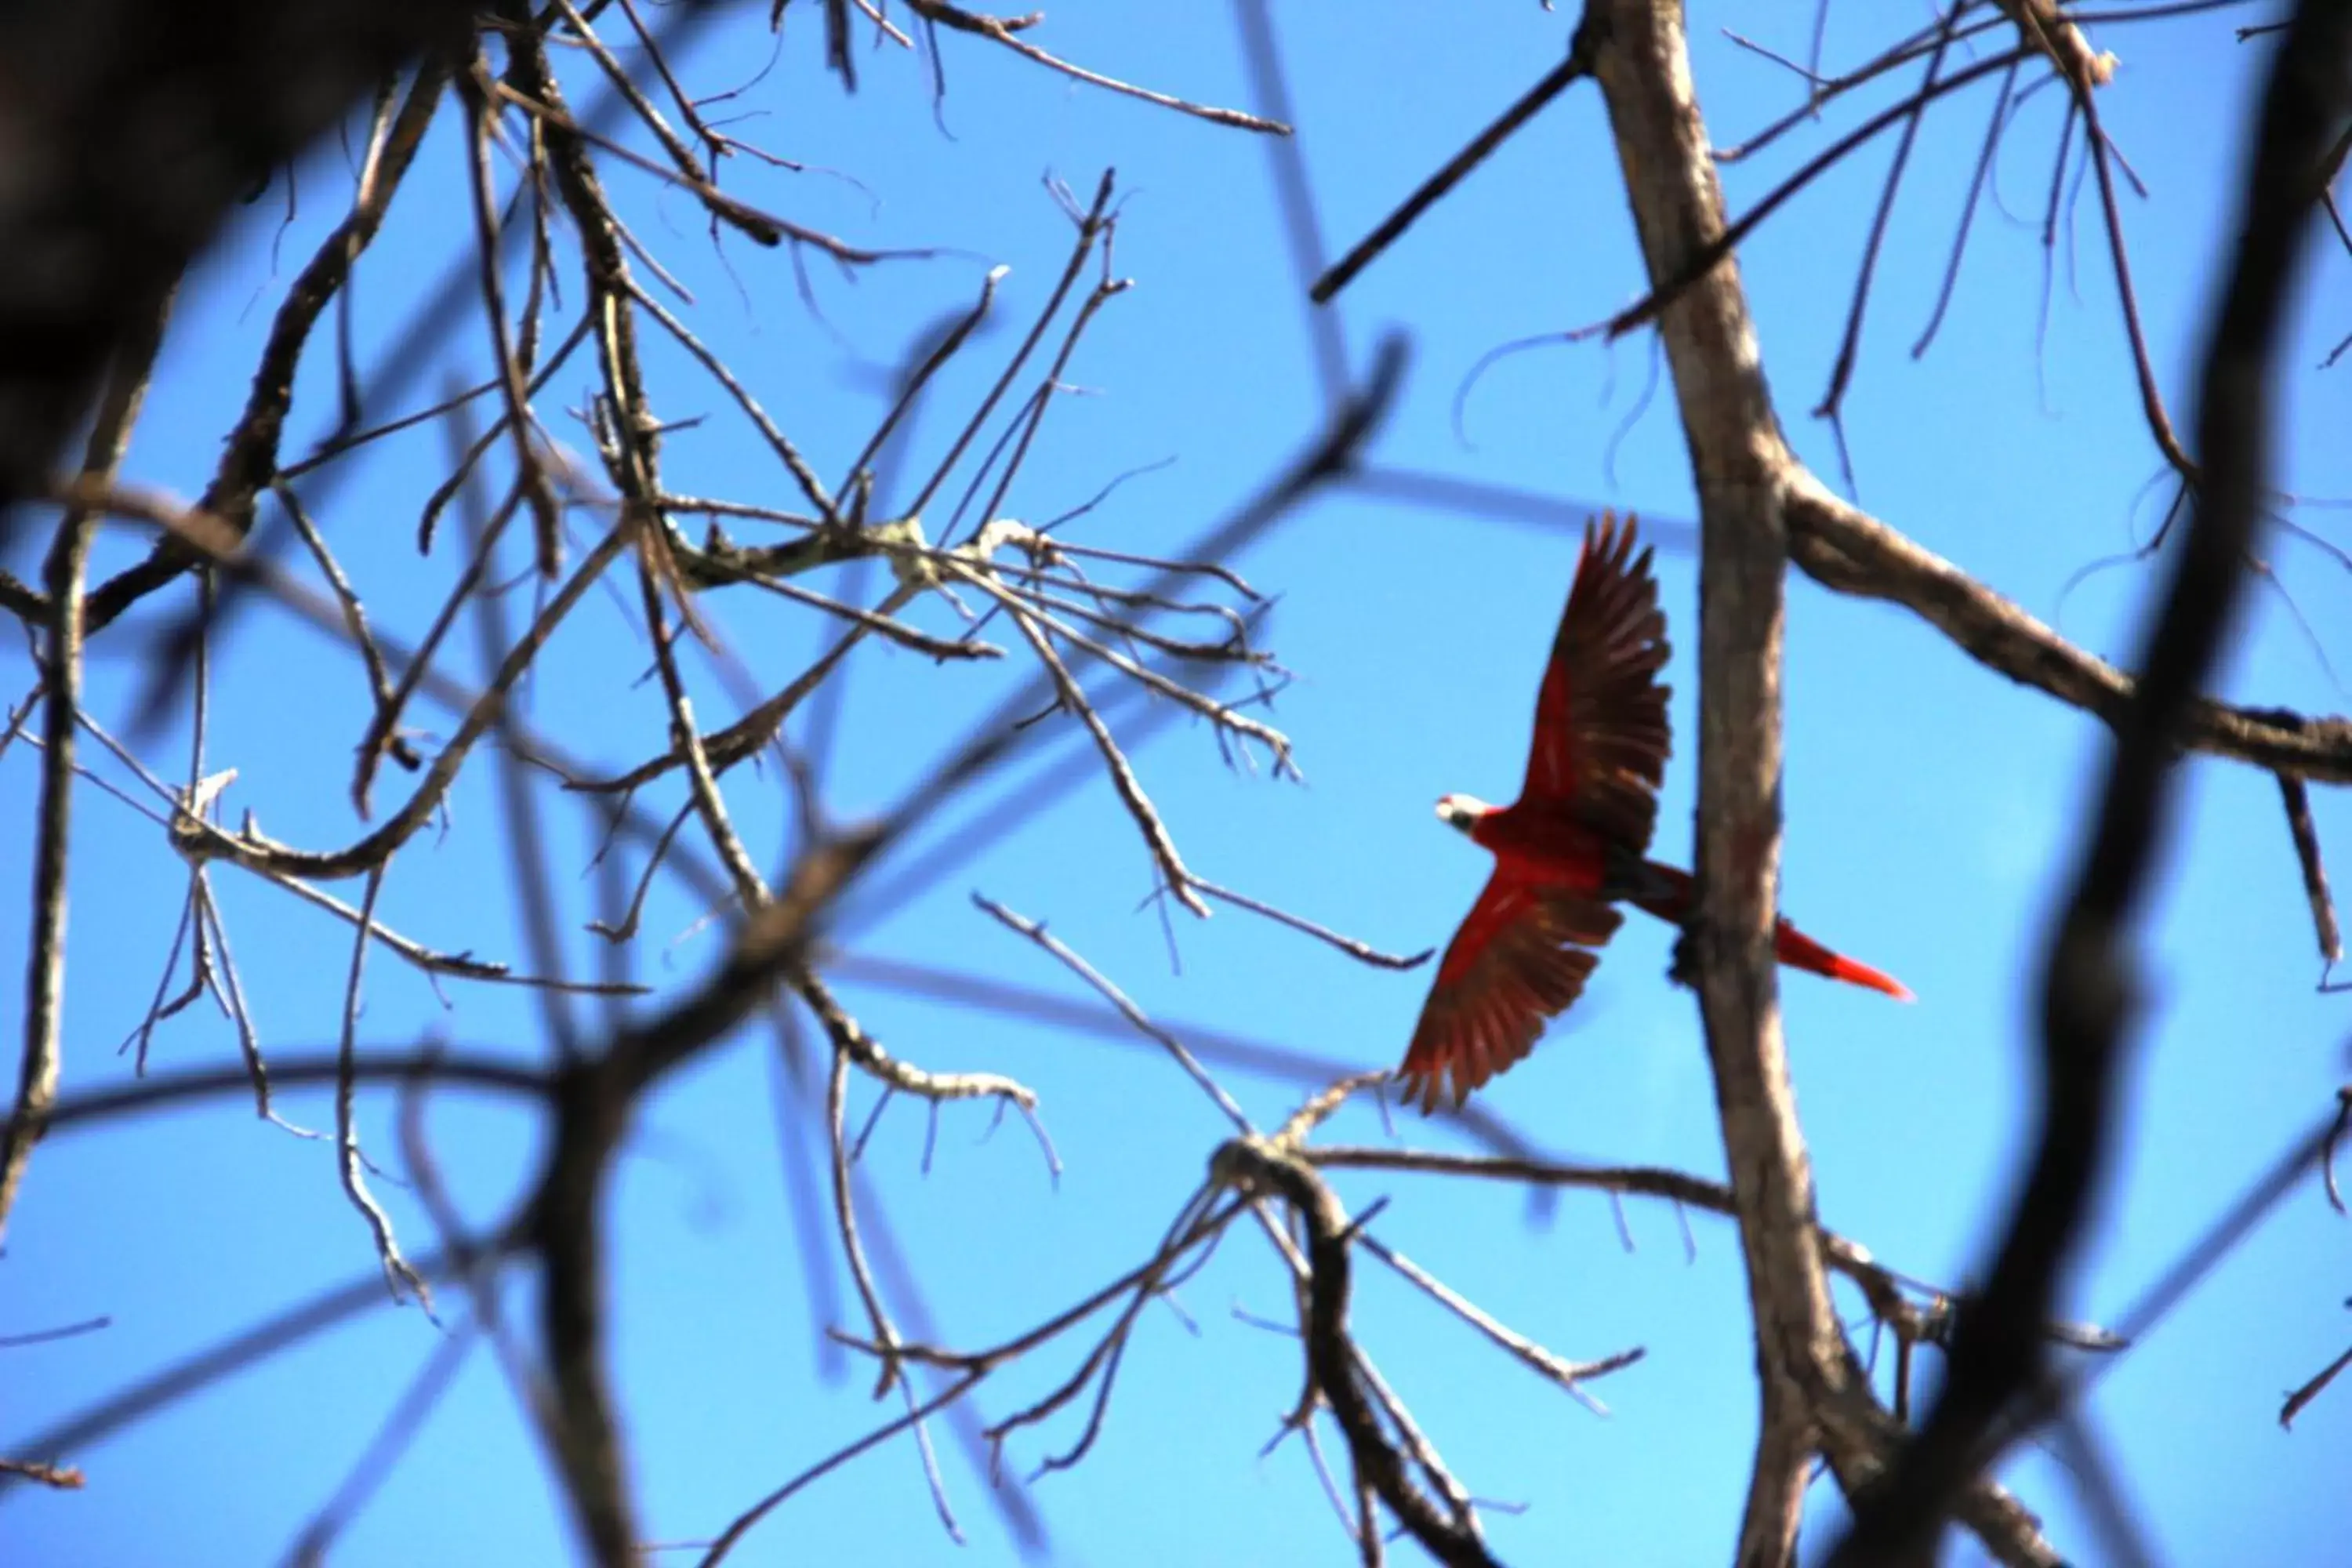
[{"x": 1461, "y": 811}]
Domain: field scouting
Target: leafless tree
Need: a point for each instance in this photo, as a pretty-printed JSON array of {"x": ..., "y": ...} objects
[{"x": 549, "y": 104}]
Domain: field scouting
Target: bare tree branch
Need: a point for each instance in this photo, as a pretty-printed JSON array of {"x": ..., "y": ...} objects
[
  {"x": 1254, "y": 1163},
  {"x": 2090, "y": 981},
  {"x": 1737, "y": 458},
  {"x": 1843, "y": 548},
  {"x": 64, "y": 579}
]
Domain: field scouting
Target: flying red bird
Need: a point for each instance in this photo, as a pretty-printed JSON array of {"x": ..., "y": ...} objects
[{"x": 1575, "y": 843}]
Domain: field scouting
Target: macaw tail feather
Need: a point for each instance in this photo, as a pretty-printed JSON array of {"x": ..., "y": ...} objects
[
  {"x": 1666, "y": 892},
  {"x": 1798, "y": 951}
]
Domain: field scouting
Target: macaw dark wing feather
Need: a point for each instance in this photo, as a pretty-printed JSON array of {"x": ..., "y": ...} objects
[
  {"x": 1521, "y": 957},
  {"x": 1600, "y": 737}
]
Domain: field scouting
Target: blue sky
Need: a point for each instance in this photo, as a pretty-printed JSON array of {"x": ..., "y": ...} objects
[{"x": 1931, "y": 806}]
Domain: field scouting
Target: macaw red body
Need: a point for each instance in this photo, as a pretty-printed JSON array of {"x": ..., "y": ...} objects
[{"x": 1575, "y": 844}]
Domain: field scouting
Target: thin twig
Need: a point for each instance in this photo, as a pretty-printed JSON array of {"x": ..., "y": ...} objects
[{"x": 1035, "y": 931}]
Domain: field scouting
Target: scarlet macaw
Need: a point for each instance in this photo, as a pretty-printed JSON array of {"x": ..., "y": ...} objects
[{"x": 1575, "y": 842}]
